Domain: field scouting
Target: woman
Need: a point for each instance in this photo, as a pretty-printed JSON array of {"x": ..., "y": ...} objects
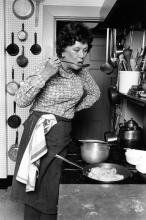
[{"x": 60, "y": 86}]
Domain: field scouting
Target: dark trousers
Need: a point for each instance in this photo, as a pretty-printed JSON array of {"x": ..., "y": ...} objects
[{"x": 33, "y": 214}]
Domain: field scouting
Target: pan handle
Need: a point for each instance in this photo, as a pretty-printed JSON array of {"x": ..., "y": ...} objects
[{"x": 68, "y": 161}]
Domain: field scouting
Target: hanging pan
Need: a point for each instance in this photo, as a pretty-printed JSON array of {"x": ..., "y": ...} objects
[
  {"x": 12, "y": 152},
  {"x": 23, "y": 9},
  {"x": 22, "y": 35},
  {"x": 22, "y": 81},
  {"x": 12, "y": 48},
  {"x": 35, "y": 48},
  {"x": 12, "y": 86},
  {"x": 22, "y": 60},
  {"x": 14, "y": 120}
]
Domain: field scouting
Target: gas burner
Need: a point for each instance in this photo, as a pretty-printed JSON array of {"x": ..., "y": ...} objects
[{"x": 74, "y": 175}]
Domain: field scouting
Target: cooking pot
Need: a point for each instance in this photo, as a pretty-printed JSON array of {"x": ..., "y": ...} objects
[
  {"x": 130, "y": 131},
  {"x": 94, "y": 151}
]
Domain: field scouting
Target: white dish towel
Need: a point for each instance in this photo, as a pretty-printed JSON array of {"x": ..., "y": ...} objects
[{"x": 29, "y": 167}]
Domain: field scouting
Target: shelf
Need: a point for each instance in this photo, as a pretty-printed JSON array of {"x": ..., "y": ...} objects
[{"x": 137, "y": 100}]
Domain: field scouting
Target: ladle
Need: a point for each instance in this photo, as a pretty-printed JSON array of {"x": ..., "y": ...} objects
[
  {"x": 83, "y": 65},
  {"x": 107, "y": 67}
]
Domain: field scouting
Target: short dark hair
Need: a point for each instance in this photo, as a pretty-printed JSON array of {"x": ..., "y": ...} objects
[{"x": 70, "y": 33}]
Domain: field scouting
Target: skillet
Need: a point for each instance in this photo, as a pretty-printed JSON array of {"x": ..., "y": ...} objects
[{"x": 86, "y": 170}]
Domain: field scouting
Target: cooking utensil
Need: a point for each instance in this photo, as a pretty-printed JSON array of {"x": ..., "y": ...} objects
[
  {"x": 113, "y": 51},
  {"x": 37, "y": 12},
  {"x": 14, "y": 120},
  {"x": 107, "y": 67},
  {"x": 12, "y": 152},
  {"x": 22, "y": 35},
  {"x": 22, "y": 60},
  {"x": 35, "y": 48},
  {"x": 94, "y": 151},
  {"x": 22, "y": 81},
  {"x": 12, "y": 48},
  {"x": 23, "y": 9},
  {"x": 83, "y": 65},
  {"x": 141, "y": 55},
  {"x": 114, "y": 95},
  {"x": 12, "y": 86},
  {"x": 86, "y": 170}
]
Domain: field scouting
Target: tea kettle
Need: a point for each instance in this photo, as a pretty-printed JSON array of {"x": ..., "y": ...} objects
[{"x": 130, "y": 131}]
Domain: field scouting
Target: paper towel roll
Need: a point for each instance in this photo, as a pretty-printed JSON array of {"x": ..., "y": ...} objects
[{"x": 128, "y": 79}]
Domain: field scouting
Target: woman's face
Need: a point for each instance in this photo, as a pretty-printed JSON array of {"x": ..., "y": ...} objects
[{"x": 75, "y": 54}]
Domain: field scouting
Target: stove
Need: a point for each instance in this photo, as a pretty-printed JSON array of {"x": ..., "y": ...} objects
[{"x": 74, "y": 175}]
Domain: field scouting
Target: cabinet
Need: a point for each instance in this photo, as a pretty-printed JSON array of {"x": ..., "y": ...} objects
[{"x": 126, "y": 13}]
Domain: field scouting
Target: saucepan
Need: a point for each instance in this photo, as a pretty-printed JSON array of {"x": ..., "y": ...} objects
[
  {"x": 102, "y": 172},
  {"x": 95, "y": 151}
]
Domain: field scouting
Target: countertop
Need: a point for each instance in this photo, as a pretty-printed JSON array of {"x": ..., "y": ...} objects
[{"x": 102, "y": 202}]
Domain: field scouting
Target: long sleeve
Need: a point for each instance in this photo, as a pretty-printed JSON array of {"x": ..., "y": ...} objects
[
  {"x": 92, "y": 92},
  {"x": 31, "y": 87}
]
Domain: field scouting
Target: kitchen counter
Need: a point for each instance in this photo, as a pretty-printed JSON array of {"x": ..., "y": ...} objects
[{"x": 102, "y": 202}]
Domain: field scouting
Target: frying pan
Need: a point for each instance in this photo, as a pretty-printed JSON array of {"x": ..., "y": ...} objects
[
  {"x": 12, "y": 48},
  {"x": 14, "y": 120},
  {"x": 12, "y": 86},
  {"x": 12, "y": 152},
  {"x": 35, "y": 48},
  {"x": 22, "y": 35},
  {"x": 22, "y": 60},
  {"x": 23, "y": 9},
  {"x": 107, "y": 67},
  {"x": 86, "y": 170},
  {"x": 114, "y": 95}
]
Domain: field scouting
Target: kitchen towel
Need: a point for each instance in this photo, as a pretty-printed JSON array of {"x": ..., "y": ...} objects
[{"x": 36, "y": 148}]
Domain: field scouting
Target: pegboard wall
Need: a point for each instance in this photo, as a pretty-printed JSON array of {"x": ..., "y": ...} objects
[{"x": 14, "y": 24}]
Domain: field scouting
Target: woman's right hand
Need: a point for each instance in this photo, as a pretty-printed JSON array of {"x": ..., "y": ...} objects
[{"x": 52, "y": 66}]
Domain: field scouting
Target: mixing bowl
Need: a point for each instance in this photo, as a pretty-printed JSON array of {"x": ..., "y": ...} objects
[{"x": 94, "y": 151}]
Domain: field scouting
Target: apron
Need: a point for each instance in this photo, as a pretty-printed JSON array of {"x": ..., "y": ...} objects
[{"x": 45, "y": 196}]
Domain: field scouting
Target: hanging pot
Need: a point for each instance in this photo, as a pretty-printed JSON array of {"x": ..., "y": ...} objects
[
  {"x": 12, "y": 48},
  {"x": 22, "y": 60},
  {"x": 114, "y": 96},
  {"x": 14, "y": 120},
  {"x": 22, "y": 35},
  {"x": 35, "y": 48},
  {"x": 23, "y": 9},
  {"x": 12, "y": 86},
  {"x": 12, "y": 152}
]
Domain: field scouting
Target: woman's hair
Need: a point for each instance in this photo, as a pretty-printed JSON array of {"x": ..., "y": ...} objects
[{"x": 70, "y": 33}]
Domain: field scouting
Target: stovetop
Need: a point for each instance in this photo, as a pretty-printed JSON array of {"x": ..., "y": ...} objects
[{"x": 74, "y": 175}]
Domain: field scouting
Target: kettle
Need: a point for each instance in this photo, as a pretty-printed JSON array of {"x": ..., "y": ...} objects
[{"x": 130, "y": 131}]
